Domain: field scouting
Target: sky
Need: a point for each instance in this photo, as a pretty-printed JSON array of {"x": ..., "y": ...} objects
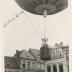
[{"x": 20, "y": 33}]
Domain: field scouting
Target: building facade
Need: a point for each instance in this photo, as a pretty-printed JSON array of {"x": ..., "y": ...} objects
[{"x": 30, "y": 61}]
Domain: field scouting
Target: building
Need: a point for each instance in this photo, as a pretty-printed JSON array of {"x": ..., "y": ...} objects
[
  {"x": 11, "y": 64},
  {"x": 26, "y": 61},
  {"x": 30, "y": 61},
  {"x": 39, "y": 63},
  {"x": 59, "y": 59}
]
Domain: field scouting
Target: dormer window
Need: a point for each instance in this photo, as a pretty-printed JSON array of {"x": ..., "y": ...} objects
[
  {"x": 54, "y": 52},
  {"x": 60, "y": 52}
]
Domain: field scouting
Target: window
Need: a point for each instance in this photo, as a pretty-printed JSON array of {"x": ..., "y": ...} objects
[
  {"x": 23, "y": 64},
  {"x": 54, "y": 52},
  {"x": 60, "y": 67},
  {"x": 28, "y": 64},
  {"x": 54, "y": 68},
  {"x": 38, "y": 65},
  {"x": 42, "y": 66},
  {"x": 60, "y": 52},
  {"x": 48, "y": 68},
  {"x": 33, "y": 64}
]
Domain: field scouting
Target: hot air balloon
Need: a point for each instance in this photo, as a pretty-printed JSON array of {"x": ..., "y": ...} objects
[{"x": 43, "y": 7}]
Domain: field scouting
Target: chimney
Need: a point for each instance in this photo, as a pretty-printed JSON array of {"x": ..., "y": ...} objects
[
  {"x": 17, "y": 53},
  {"x": 61, "y": 43}
]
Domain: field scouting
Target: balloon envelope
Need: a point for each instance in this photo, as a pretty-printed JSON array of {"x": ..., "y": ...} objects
[{"x": 38, "y": 6}]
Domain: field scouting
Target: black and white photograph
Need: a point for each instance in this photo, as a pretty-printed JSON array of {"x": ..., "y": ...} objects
[{"x": 36, "y": 36}]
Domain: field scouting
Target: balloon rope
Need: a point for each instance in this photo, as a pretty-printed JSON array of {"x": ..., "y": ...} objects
[
  {"x": 52, "y": 31},
  {"x": 12, "y": 19},
  {"x": 40, "y": 30},
  {"x": 38, "y": 25},
  {"x": 34, "y": 27}
]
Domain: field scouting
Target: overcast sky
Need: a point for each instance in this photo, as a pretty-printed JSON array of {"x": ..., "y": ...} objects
[{"x": 20, "y": 34}]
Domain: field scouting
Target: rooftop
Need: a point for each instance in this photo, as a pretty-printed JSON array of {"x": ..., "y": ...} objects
[
  {"x": 11, "y": 62},
  {"x": 24, "y": 54}
]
